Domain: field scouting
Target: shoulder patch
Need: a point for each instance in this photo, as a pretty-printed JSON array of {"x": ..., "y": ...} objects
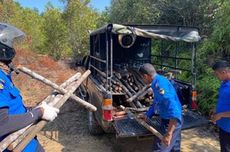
[
  {"x": 1, "y": 86},
  {"x": 162, "y": 91},
  {"x": 2, "y": 82}
]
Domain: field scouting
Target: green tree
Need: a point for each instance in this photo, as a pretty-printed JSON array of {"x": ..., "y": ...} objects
[
  {"x": 133, "y": 11},
  {"x": 80, "y": 20},
  {"x": 55, "y": 32},
  {"x": 215, "y": 46},
  {"x": 174, "y": 12},
  {"x": 103, "y": 18},
  {"x": 29, "y": 21}
]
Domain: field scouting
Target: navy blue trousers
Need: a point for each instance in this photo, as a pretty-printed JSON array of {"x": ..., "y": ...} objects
[
  {"x": 175, "y": 141},
  {"x": 224, "y": 140}
]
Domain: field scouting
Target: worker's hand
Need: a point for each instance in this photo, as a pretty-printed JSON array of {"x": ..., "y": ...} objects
[
  {"x": 216, "y": 117},
  {"x": 49, "y": 112},
  {"x": 212, "y": 113},
  {"x": 166, "y": 140},
  {"x": 142, "y": 116}
]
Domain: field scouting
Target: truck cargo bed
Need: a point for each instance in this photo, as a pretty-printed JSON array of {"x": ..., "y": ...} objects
[{"x": 128, "y": 127}]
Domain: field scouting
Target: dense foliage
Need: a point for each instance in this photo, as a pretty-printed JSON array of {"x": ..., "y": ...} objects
[
  {"x": 59, "y": 33},
  {"x": 216, "y": 46},
  {"x": 65, "y": 33},
  {"x": 211, "y": 16}
]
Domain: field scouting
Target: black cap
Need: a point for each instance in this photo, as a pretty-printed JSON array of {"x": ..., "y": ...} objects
[{"x": 221, "y": 64}]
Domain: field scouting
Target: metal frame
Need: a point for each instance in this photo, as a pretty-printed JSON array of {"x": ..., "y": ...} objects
[
  {"x": 192, "y": 69},
  {"x": 108, "y": 74},
  {"x": 109, "y": 53}
]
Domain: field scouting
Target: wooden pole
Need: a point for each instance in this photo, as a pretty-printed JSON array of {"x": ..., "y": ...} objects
[
  {"x": 55, "y": 86},
  {"x": 27, "y": 131},
  {"x": 125, "y": 90},
  {"x": 138, "y": 93},
  {"x": 144, "y": 124},
  {"x": 137, "y": 109},
  {"x": 148, "y": 127},
  {"x": 33, "y": 130},
  {"x": 10, "y": 138},
  {"x": 63, "y": 85}
]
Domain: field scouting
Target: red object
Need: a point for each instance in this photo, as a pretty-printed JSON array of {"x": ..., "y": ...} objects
[
  {"x": 107, "y": 115},
  {"x": 194, "y": 100}
]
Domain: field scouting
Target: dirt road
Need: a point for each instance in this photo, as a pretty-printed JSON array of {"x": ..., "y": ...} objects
[{"x": 69, "y": 133}]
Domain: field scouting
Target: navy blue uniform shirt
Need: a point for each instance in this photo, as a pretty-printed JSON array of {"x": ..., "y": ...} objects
[
  {"x": 166, "y": 101},
  {"x": 223, "y": 105}
]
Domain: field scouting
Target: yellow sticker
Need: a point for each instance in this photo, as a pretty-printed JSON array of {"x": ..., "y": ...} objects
[
  {"x": 1, "y": 86},
  {"x": 162, "y": 91}
]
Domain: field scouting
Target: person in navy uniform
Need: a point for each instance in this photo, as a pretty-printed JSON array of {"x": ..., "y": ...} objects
[
  {"x": 13, "y": 113},
  {"x": 167, "y": 105},
  {"x": 222, "y": 115}
]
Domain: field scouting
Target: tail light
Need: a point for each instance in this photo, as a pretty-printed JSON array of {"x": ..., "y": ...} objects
[
  {"x": 194, "y": 100},
  {"x": 107, "y": 109}
]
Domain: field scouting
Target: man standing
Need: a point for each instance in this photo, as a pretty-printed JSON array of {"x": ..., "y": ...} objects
[
  {"x": 13, "y": 113},
  {"x": 167, "y": 104},
  {"x": 222, "y": 115}
]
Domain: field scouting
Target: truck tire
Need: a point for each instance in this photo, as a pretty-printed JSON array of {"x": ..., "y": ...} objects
[{"x": 94, "y": 127}]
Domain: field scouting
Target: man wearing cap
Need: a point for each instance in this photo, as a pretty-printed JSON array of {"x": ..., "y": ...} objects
[
  {"x": 222, "y": 115},
  {"x": 13, "y": 114},
  {"x": 167, "y": 104}
]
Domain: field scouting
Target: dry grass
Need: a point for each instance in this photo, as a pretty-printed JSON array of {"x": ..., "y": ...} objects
[{"x": 33, "y": 91}]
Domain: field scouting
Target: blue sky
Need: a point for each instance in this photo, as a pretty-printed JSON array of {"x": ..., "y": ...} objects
[{"x": 40, "y": 4}]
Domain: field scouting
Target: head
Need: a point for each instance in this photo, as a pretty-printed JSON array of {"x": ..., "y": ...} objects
[
  {"x": 222, "y": 70},
  {"x": 148, "y": 72},
  {"x": 8, "y": 35}
]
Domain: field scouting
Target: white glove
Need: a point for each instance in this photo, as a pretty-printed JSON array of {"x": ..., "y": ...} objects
[{"x": 49, "y": 112}]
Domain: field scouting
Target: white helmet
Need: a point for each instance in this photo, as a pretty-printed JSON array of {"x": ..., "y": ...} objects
[{"x": 8, "y": 34}]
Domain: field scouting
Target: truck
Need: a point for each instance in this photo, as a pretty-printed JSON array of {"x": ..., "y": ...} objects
[{"x": 116, "y": 53}]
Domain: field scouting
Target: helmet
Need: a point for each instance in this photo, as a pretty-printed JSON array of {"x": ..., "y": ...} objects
[{"x": 8, "y": 35}]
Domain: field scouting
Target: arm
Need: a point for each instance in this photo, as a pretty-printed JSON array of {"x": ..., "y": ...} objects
[
  {"x": 224, "y": 114},
  {"x": 151, "y": 111},
  {"x": 172, "y": 126},
  {"x": 173, "y": 112},
  {"x": 220, "y": 115},
  {"x": 168, "y": 136},
  {"x": 9, "y": 124}
]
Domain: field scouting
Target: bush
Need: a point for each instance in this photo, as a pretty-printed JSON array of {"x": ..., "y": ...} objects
[{"x": 207, "y": 86}]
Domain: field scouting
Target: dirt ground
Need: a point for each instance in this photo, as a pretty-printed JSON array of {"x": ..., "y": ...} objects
[{"x": 69, "y": 132}]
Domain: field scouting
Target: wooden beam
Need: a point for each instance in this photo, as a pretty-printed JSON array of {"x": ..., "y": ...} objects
[
  {"x": 12, "y": 137},
  {"x": 144, "y": 124},
  {"x": 60, "y": 89},
  {"x": 33, "y": 130},
  {"x": 139, "y": 93}
]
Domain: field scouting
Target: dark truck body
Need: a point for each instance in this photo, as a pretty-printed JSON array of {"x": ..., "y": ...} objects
[{"x": 116, "y": 53}]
